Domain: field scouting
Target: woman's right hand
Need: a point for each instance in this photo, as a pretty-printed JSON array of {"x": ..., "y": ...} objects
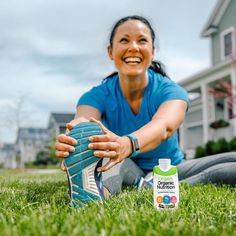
[{"x": 64, "y": 143}]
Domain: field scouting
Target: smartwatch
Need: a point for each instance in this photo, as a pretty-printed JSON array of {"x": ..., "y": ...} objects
[{"x": 135, "y": 145}]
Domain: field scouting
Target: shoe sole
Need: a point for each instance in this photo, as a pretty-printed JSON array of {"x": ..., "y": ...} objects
[{"x": 83, "y": 180}]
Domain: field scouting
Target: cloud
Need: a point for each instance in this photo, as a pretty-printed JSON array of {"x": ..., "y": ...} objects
[{"x": 53, "y": 51}]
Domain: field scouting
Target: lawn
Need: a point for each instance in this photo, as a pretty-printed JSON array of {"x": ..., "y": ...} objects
[{"x": 37, "y": 204}]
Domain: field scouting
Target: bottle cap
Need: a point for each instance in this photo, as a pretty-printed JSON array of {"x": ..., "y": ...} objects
[{"x": 164, "y": 161}]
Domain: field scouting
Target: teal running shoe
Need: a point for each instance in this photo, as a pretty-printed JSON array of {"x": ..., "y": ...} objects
[{"x": 81, "y": 166}]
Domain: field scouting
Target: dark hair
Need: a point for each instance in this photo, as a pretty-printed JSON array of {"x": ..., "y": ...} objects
[{"x": 156, "y": 66}]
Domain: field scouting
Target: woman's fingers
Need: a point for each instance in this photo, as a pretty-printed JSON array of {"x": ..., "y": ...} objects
[
  {"x": 63, "y": 167},
  {"x": 63, "y": 138},
  {"x": 103, "y": 138},
  {"x": 104, "y": 154},
  {"x": 108, "y": 165},
  {"x": 104, "y": 146},
  {"x": 62, "y": 154},
  {"x": 74, "y": 122},
  {"x": 64, "y": 147},
  {"x": 104, "y": 129}
]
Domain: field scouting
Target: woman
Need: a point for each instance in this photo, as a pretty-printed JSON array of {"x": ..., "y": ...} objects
[{"x": 139, "y": 109}]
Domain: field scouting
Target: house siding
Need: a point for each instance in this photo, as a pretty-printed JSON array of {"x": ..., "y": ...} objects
[{"x": 228, "y": 20}]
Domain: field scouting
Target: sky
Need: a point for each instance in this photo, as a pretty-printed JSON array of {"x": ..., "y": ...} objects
[{"x": 51, "y": 52}]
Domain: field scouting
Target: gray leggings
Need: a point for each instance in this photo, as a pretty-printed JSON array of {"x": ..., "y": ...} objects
[{"x": 217, "y": 169}]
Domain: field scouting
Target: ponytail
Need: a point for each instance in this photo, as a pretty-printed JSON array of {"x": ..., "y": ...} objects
[{"x": 158, "y": 67}]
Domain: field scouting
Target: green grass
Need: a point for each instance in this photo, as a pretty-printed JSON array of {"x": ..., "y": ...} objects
[{"x": 37, "y": 204}]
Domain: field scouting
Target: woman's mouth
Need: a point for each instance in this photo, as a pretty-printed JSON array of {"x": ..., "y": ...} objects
[{"x": 132, "y": 60}]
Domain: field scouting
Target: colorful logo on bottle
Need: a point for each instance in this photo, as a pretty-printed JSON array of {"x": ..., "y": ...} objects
[
  {"x": 159, "y": 199},
  {"x": 166, "y": 199},
  {"x": 173, "y": 199}
]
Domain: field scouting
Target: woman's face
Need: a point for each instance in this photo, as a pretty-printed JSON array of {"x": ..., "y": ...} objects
[{"x": 132, "y": 48}]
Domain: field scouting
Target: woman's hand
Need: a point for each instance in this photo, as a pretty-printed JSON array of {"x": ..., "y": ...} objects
[
  {"x": 65, "y": 144},
  {"x": 109, "y": 145}
]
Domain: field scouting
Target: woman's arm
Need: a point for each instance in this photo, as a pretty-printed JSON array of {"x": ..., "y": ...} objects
[{"x": 164, "y": 123}]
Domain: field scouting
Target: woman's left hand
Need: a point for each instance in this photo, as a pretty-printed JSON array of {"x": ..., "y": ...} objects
[{"x": 109, "y": 145}]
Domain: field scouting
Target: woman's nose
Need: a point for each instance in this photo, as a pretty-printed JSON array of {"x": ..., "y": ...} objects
[{"x": 133, "y": 46}]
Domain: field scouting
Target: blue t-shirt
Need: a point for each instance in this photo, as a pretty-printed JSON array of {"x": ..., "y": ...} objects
[{"x": 118, "y": 117}]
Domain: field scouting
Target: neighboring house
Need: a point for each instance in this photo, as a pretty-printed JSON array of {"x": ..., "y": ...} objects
[
  {"x": 8, "y": 155},
  {"x": 204, "y": 107},
  {"x": 57, "y": 123},
  {"x": 29, "y": 142}
]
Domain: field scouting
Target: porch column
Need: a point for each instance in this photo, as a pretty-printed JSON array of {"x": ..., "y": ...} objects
[
  {"x": 233, "y": 82},
  {"x": 205, "y": 111}
]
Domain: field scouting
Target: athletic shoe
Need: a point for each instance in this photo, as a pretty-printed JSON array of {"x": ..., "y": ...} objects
[
  {"x": 81, "y": 166},
  {"x": 146, "y": 182}
]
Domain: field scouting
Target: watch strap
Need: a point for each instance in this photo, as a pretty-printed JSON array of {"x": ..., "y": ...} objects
[{"x": 135, "y": 145}]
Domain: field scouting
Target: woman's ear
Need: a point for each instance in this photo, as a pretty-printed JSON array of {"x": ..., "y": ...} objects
[
  {"x": 109, "y": 50},
  {"x": 153, "y": 52}
]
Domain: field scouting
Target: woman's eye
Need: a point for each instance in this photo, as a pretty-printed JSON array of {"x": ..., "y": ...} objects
[
  {"x": 143, "y": 40},
  {"x": 124, "y": 40}
]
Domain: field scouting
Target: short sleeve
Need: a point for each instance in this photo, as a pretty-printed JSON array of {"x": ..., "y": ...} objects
[
  {"x": 94, "y": 97},
  {"x": 170, "y": 90}
]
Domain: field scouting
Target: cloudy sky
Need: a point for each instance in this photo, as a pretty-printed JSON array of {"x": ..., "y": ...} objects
[{"x": 53, "y": 51}]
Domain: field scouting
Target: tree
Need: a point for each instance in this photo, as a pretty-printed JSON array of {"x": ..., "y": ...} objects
[{"x": 14, "y": 114}]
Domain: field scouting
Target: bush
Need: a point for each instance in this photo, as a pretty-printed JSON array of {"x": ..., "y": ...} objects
[
  {"x": 232, "y": 144},
  {"x": 211, "y": 147},
  {"x": 44, "y": 159},
  {"x": 223, "y": 145},
  {"x": 214, "y": 147},
  {"x": 200, "y": 151}
]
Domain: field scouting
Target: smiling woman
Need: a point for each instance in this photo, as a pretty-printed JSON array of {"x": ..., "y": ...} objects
[{"x": 126, "y": 124}]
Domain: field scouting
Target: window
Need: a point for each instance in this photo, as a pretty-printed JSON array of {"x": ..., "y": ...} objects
[{"x": 227, "y": 43}]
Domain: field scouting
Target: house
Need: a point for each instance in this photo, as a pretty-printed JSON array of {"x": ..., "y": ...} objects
[
  {"x": 29, "y": 142},
  {"x": 210, "y": 112},
  {"x": 57, "y": 123},
  {"x": 8, "y": 155}
]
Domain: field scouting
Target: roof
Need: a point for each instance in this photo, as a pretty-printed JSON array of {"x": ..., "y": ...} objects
[
  {"x": 215, "y": 18},
  {"x": 33, "y": 133},
  {"x": 63, "y": 118},
  {"x": 205, "y": 73},
  {"x": 7, "y": 147}
]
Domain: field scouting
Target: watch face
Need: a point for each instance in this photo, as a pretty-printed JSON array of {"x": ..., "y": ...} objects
[{"x": 136, "y": 146}]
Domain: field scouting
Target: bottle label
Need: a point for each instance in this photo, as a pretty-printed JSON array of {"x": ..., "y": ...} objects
[{"x": 166, "y": 188}]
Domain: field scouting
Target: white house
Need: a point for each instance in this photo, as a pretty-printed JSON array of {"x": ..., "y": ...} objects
[
  {"x": 57, "y": 123},
  {"x": 205, "y": 109},
  {"x": 8, "y": 155},
  {"x": 29, "y": 142}
]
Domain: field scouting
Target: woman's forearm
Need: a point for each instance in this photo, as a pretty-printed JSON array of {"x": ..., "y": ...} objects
[
  {"x": 152, "y": 135},
  {"x": 163, "y": 124}
]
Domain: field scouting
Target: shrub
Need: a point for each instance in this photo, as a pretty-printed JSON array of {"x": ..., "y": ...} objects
[
  {"x": 200, "y": 151},
  {"x": 232, "y": 144},
  {"x": 223, "y": 145},
  {"x": 211, "y": 147},
  {"x": 43, "y": 159},
  {"x": 214, "y": 147}
]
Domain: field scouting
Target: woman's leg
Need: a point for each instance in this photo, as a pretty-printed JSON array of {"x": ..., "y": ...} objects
[
  {"x": 124, "y": 173},
  {"x": 220, "y": 168}
]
